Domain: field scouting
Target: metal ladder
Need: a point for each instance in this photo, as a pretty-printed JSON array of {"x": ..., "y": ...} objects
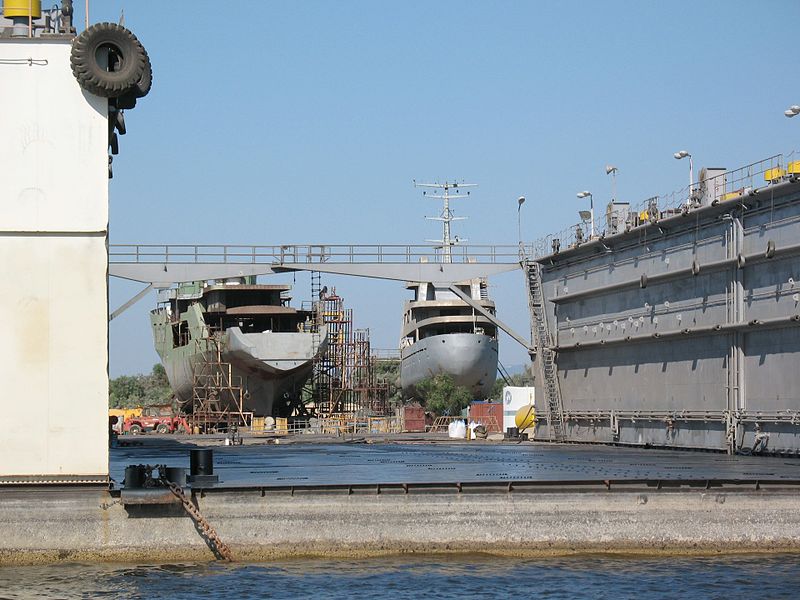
[
  {"x": 547, "y": 356},
  {"x": 317, "y": 384}
]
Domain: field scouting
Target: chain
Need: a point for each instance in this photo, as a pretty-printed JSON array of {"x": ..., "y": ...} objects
[{"x": 207, "y": 530}]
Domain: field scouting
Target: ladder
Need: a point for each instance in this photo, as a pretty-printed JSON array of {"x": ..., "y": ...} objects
[{"x": 542, "y": 341}]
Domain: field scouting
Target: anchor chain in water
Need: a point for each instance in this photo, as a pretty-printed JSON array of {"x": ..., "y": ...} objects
[{"x": 208, "y": 531}]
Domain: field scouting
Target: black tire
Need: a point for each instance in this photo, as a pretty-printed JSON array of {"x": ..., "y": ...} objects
[
  {"x": 142, "y": 87},
  {"x": 135, "y": 429},
  {"x": 162, "y": 428},
  {"x": 125, "y": 52},
  {"x": 113, "y": 143}
]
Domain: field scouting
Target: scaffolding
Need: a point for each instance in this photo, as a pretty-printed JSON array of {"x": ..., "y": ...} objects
[
  {"x": 343, "y": 381},
  {"x": 217, "y": 395}
]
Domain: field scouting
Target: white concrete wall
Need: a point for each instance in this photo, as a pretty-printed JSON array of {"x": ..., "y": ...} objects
[{"x": 53, "y": 264}]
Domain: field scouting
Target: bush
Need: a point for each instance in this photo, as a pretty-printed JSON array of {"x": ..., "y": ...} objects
[{"x": 442, "y": 396}]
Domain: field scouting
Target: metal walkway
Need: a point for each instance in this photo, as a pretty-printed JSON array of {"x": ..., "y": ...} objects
[{"x": 164, "y": 265}]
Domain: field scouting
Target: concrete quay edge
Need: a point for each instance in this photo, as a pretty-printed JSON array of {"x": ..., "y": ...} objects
[{"x": 88, "y": 526}]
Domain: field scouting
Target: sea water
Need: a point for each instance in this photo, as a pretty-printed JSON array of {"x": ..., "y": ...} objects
[{"x": 590, "y": 576}]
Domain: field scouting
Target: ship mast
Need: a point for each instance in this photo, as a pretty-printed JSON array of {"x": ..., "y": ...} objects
[{"x": 447, "y": 215}]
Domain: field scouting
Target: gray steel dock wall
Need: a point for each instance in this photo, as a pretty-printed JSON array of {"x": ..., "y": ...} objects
[{"x": 683, "y": 333}]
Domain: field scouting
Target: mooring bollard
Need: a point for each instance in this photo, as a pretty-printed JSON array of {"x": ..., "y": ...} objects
[
  {"x": 201, "y": 466},
  {"x": 134, "y": 477},
  {"x": 176, "y": 475}
]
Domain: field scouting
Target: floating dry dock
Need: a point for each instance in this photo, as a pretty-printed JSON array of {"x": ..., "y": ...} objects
[
  {"x": 711, "y": 287},
  {"x": 360, "y": 500}
]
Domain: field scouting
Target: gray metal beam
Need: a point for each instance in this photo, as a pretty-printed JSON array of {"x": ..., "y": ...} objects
[
  {"x": 168, "y": 274},
  {"x": 130, "y": 303},
  {"x": 436, "y": 273},
  {"x": 517, "y": 337}
]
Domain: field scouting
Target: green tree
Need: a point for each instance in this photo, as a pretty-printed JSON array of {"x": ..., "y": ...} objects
[
  {"x": 442, "y": 396},
  {"x": 518, "y": 380},
  {"x": 128, "y": 391}
]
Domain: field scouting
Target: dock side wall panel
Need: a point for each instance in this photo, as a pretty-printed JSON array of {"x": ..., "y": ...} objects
[
  {"x": 53, "y": 252},
  {"x": 708, "y": 357}
]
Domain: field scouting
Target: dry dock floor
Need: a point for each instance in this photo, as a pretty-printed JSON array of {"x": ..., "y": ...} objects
[{"x": 320, "y": 461}]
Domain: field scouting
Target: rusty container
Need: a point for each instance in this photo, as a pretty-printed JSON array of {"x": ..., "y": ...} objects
[
  {"x": 489, "y": 414},
  {"x": 413, "y": 418}
]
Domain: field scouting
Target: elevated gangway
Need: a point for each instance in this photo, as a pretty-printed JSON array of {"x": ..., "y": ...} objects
[{"x": 165, "y": 265}]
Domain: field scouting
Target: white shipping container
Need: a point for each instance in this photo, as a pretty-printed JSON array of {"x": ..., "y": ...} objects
[{"x": 515, "y": 398}]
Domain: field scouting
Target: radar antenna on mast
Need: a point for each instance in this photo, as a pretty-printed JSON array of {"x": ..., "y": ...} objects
[{"x": 446, "y": 216}]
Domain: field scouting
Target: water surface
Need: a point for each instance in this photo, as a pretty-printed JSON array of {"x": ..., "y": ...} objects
[{"x": 750, "y": 576}]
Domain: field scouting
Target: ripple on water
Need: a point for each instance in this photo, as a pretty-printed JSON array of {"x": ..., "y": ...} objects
[{"x": 763, "y": 576}]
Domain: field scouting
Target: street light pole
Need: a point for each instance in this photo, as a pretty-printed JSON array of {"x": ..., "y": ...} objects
[
  {"x": 612, "y": 170},
  {"x": 584, "y": 194},
  {"x": 683, "y": 154},
  {"x": 520, "y": 202}
]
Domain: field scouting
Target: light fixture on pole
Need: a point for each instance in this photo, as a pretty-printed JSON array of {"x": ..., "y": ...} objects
[
  {"x": 612, "y": 170},
  {"x": 584, "y": 194},
  {"x": 792, "y": 111},
  {"x": 683, "y": 154},
  {"x": 520, "y": 202}
]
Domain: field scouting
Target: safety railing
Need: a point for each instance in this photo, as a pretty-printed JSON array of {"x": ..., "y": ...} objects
[
  {"x": 719, "y": 188},
  {"x": 292, "y": 254},
  {"x": 386, "y": 354}
]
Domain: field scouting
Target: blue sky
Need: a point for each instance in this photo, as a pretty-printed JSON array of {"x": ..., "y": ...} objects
[{"x": 305, "y": 122}]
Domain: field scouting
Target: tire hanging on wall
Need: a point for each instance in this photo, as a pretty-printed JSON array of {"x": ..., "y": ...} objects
[
  {"x": 126, "y": 57},
  {"x": 142, "y": 87}
]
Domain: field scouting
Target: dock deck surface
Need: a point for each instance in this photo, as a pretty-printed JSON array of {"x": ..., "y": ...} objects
[{"x": 341, "y": 463}]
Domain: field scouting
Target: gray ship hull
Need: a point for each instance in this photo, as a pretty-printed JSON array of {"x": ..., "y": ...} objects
[
  {"x": 471, "y": 359},
  {"x": 271, "y": 366},
  {"x": 265, "y": 386}
]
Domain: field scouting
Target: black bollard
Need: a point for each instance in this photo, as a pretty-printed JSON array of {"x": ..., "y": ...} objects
[
  {"x": 201, "y": 467},
  {"x": 201, "y": 461},
  {"x": 134, "y": 477},
  {"x": 176, "y": 475}
]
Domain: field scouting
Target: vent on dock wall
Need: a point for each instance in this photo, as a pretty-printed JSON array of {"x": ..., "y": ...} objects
[
  {"x": 617, "y": 216},
  {"x": 711, "y": 186}
]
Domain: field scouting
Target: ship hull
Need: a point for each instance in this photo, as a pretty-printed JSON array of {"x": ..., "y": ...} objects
[
  {"x": 270, "y": 367},
  {"x": 265, "y": 390},
  {"x": 470, "y": 359}
]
